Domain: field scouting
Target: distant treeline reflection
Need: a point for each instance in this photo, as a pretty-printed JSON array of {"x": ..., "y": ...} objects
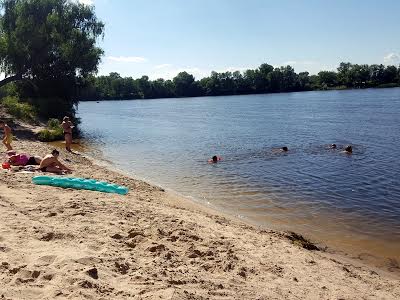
[{"x": 265, "y": 79}]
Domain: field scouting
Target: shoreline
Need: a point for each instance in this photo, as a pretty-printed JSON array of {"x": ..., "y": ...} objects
[
  {"x": 356, "y": 252},
  {"x": 152, "y": 243}
]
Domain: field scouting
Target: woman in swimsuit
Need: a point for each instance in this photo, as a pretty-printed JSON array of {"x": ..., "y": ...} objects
[
  {"x": 7, "y": 135},
  {"x": 67, "y": 128},
  {"x": 24, "y": 160}
]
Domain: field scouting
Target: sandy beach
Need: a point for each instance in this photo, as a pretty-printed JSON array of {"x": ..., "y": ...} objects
[{"x": 150, "y": 244}]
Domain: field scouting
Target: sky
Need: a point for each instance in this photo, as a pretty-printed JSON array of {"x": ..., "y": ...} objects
[{"x": 160, "y": 38}]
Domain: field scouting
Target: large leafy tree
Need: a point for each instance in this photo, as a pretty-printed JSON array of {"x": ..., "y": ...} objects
[
  {"x": 185, "y": 85},
  {"x": 327, "y": 78},
  {"x": 50, "y": 44}
]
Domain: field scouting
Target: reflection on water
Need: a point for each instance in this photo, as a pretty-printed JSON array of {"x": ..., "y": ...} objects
[{"x": 350, "y": 201}]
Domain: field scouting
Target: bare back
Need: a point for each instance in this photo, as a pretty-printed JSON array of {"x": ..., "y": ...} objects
[{"x": 48, "y": 160}]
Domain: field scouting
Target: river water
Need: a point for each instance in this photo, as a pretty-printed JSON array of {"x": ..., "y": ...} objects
[{"x": 348, "y": 202}]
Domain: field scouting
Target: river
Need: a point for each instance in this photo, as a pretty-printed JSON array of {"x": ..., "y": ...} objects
[{"x": 348, "y": 202}]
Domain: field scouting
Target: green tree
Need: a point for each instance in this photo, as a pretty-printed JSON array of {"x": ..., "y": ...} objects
[
  {"x": 390, "y": 74},
  {"x": 289, "y": 79},
  {"x": 50, "y": 45},
  {"x": 377, "y": 74},
  {"x": 314, "y": 82},
  {"x": 327, "y": 78},
  {"x": 304, "y": 81},
  {"x": 145, "y": 87},
  {"x": 262, "y": 81},
  {"x": 185, "y": 85},
  {"x": 344, "y": 75},
  {"x": 275, "y": 79}
]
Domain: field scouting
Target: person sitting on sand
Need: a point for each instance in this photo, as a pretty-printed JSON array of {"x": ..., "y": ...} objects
[
  {"x": 50, "y": 163},
  {"x": 24, "y": 160},
  {"x": 348, "y": 149},
  {"x": 215, "y": 159},
  {"x": 67, "y": 128},
  {"x": 7, "y": 135}
]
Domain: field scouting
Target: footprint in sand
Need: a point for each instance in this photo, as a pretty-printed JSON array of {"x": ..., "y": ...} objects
[
  {"x": 89, "y": 260},
  {"x": 157, "y": 248},
  {"x": 46, "y": 260},
  {"x": 25, "y": 276},
  {"x": 48, "y": 277}
]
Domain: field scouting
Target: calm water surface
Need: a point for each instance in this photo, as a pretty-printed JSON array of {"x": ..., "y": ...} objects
[{"x": 351, "y": 202}]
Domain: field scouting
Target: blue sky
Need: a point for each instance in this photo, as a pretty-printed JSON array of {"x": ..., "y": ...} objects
[{"x": 160, "y": 38}]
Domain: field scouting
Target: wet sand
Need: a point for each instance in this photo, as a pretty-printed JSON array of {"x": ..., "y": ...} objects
[{"x": 151, "y": 244}]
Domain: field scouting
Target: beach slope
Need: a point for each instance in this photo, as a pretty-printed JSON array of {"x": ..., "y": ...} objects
[{"x": 73, "y": 244}]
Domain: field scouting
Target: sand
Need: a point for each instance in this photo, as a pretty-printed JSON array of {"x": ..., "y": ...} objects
[{"x": 150, "y": 244}]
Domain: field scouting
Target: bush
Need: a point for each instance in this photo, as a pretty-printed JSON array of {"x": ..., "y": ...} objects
[
  {"x": 54, "y": 124},
  {"x": 20, "y": 110},
  {"x": 53, "y": 132},
  {"x": 9, "y": 89}
]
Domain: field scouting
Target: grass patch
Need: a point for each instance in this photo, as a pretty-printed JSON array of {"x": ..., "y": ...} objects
[
  {"x": 53, "y": 132},
  {"x": 19, "y": 110},
  {"x": 388, "y": 85}
]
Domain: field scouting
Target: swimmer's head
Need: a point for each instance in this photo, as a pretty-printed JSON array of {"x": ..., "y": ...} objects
[
  {"x": 285, "y": 149},
  {"x": 333, "y": 146},
  {"x": 348, "y": 149},
  {"x": 215, "y": 158}
]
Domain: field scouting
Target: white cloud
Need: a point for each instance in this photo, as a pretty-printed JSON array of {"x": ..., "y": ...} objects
[
  {"x": 168, "y": 73},
  {"x": 87, "y": 2},
  {"x": 233, "y": 69},
  {"x": 392, "y": 59},
  {"x": 127, "y": 59},
  {"x": 295, "y": 62},
  {"x": 163, "y": 66}
]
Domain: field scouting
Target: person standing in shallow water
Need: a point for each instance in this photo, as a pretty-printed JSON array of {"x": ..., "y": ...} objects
[{"x": 67, "y": 128}]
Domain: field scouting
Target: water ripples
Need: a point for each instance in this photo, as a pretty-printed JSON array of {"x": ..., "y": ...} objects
[{"x": 309, "y": 187}]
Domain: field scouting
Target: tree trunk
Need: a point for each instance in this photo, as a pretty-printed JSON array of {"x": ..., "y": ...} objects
[{"x": 10, "y": 79}]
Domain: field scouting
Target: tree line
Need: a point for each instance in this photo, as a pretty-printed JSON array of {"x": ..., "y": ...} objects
[{"x": 264, "y": 79}]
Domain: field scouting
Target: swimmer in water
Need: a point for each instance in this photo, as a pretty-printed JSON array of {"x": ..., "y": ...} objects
[
  {"x": 348, "y": 149},
  {"x": 215, "y": 159},
  {"x": 333, "y": 146},
  {"x": 285, "y": 149}
]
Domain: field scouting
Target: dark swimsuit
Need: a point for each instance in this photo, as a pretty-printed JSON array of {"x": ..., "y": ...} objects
[{"x": 32, "y": 161}]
